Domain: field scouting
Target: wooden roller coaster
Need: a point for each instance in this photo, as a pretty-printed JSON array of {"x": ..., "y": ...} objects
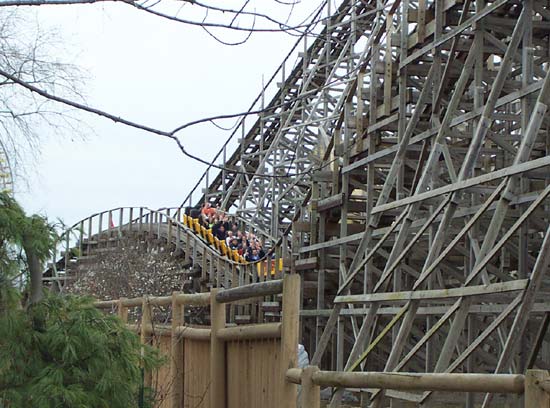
[{"x": 402, "y": 169}]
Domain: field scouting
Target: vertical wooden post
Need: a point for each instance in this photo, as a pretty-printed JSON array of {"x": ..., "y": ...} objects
[
  {"x": 122, "y": 311},
  {"x": 99, "y": 228},
  {"x": 178, "y": 237},
  {"x": 289, "y": 337},
  {"x": 311, "y": 393},
  {"x": 388, "y": 77},
  {"x": 120, "y": 219},
  {"x": 535, "y": 395},
  {"x": 421, "y": 20},
  {"x": 219, "y": 268},
  {"x": 187, "y": 247},
  {"x": 89, "y": 245},
  {"x": 169, "y": 226},
  {"x": 80, "y": 239},
  {"x": 145, "y": 334},
  {"x": 176, "y": 354},
  {"x": 204, "y": 268},
  {"x": 131, "y": 219},
  {"x": 150, "y": 221},
  {"x": 359, "y": 113},
  {"x": 234, "y": 284},
  {"x": 211, "y": 271},
  {"x": 217, "y": 353},
  {"x": 293, "y": 245}
]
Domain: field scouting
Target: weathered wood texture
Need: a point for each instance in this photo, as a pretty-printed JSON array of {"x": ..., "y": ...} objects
[
  {"x": 196, "y": 374},
  {"x": 217, "y": 366},
  {"x": 251, "y": 377},
  {"x": 162, "y": 381}
]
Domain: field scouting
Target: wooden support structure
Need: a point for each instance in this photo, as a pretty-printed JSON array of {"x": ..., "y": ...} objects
[
  {"x": 146, "y": 334},
  {"x": 218, "y": 394},
  {"x": 176, "y": 354},
  {"x": 188, "y": 348},
  {"x": 537, "y": 389},
  {"x": 311, "y": 392},
  {"x": 535, "y": 385},
  {"x": 290, "y": 336},
  {"x": 402, "y": 170}
]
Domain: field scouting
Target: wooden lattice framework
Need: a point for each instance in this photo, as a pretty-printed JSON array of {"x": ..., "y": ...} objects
[{"x": 418, "y": 213}]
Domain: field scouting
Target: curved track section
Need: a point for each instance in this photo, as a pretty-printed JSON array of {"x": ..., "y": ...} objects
[
  {"x": 289, "y": 141},
  {"x": 168, "y": 229}
]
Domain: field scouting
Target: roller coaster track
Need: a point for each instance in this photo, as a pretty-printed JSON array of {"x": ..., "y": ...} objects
[
  {"x": 289, "y": 140},
  {"x": 168, "y": 228},
  {"x": 403, "y": 169}
]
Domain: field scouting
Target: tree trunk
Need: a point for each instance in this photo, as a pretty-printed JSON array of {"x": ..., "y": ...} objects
[{"x": 35, "y": 271}]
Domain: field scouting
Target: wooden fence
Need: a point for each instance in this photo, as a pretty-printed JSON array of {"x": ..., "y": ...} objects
[
  {"x": 535, "y": 385},
  {"x": 217, "y": 366}
]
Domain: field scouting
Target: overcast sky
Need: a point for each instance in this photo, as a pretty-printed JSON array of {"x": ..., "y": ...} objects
[{"x": 150, "y": 70}]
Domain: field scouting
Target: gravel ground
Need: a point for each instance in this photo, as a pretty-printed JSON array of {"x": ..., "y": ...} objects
[{"x": 129, "y": 272}]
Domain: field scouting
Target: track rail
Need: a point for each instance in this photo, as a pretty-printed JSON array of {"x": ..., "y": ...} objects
[{"x": 164, "y": 227}]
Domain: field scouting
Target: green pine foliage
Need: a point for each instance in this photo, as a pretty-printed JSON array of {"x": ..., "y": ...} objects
[
  {"x": 59, "y": 351},
  {"x": 19, "y": 231},
  {"x": 78, "y": 357}
]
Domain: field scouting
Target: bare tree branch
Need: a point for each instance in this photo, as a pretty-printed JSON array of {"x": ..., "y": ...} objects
[
  {"x": 168, "y": 134},
  {"x": 26, "y": 52},
  {"x": 23, "y": 67},
  {"x": 281, "y": 27}
]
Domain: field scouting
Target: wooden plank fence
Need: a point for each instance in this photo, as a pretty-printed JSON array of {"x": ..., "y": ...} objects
[{"x": 217, "y": 366}]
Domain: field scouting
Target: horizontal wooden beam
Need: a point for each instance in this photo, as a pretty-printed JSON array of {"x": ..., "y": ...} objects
[
  {"x": 435, "y": 293},
  {"x": 195, "y": 299},
  {"x": 331, "y": 243},
  {"x": 454, "y": 32},
  {"x": 461, "y": 185},
  {"x": 529, "y": 89},
  {"x": 306, "y": 264},
  {"x": 447, "y": 382},
  {"x": 490, "y": 309},
  {"x": 183, "y": 332},
  {"x": 251, "y": 332},
  {"x": 330, "y": 202},
  {"x": 267, "y": 288}
]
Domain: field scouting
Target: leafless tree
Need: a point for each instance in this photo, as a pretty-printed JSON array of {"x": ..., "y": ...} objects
[
  {"x": 248, "y": 17},
  {"x": 29, "y": 54},
  {"x": 36, "y": 89}
]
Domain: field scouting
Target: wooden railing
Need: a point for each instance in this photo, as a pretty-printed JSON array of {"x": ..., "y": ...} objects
[
  {"x": 535, "y": 385},
  {"x": 224, "y": 270},
  {"x": 219, "y": 366}
]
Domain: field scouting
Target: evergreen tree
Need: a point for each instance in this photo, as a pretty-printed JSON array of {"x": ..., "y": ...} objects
[
  {"x": 80, "y": 357},
  {"x": 25, "y": 243},
  {"x": 58, "y": 351}
]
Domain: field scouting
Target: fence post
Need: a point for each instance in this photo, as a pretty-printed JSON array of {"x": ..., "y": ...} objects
[
  {"x": 217, "y": 353},
  {"x": 536, "y": 384},
  {"x": 289, "y": 337},
  {"x": 311, "y": 393},
  {"x": 176, "y": 353},
  {"x": 122, "y": 310},
  {"x": 145, "y": 334}
]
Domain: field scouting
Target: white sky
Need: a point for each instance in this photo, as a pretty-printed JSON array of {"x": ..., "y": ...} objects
[{"x": 153, "y": 71}]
